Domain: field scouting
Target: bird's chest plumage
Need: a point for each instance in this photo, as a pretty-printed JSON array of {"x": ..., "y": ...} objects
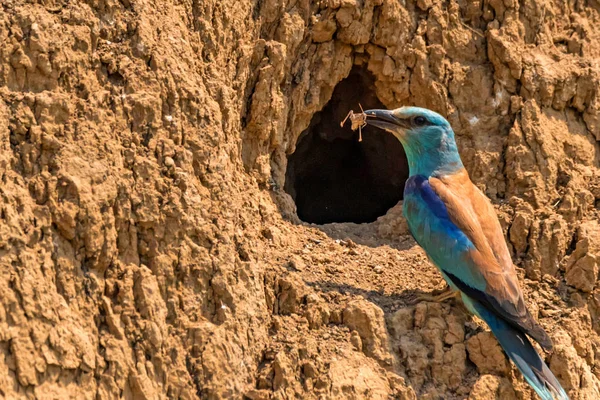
[
  {"x": 426, "y": 214},
  {"x": 431, "y": 226}
]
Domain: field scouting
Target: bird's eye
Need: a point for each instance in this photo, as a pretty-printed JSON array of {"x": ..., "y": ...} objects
[{"x": 420, "y": 121}]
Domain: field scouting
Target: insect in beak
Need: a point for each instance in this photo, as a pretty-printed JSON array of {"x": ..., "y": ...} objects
[{"x": 358, "y": 121}]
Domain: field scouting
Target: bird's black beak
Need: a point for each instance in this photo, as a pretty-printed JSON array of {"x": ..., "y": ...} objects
[{"x": 385, "y": 119}]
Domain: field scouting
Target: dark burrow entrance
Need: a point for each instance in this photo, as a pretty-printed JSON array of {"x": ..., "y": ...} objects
[{"x": 332, "y": 176}]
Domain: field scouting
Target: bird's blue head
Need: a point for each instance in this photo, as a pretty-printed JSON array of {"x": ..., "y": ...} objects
[{"x": 427, "y": 138}]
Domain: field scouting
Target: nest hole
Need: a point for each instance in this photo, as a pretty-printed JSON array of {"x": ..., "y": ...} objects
[{"x": 333, "y": 177}]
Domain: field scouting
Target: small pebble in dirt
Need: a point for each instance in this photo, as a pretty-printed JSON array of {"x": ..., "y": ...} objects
[
  {"x": 378, "y": 269},
  {"x": 296, "y": 263},
  {"x": 356, "y": 340},
  {"x": 169, "y": 162}
]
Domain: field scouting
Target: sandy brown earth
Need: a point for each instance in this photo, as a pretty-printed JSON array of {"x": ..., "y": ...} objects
[{"x": 148, "y": 249}]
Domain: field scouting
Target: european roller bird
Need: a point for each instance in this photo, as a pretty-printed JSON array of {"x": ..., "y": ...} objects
[{"x": 456, "y": 225}]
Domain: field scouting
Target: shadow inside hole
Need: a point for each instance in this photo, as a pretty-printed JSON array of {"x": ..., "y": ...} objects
[{"x": 333, "y": 177}]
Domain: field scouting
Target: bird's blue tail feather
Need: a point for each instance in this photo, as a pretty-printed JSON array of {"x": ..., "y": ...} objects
[{"x": 520, "y": 350}]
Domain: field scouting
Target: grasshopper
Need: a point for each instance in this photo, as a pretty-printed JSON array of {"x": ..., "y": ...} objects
[{"x": 357, "y": 120}]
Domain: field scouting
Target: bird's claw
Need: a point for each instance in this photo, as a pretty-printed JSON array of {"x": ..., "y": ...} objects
[{"x": 434, "y": 297}]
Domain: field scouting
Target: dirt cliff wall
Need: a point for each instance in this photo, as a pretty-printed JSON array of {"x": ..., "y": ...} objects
[{"x": 148, "y": 249}]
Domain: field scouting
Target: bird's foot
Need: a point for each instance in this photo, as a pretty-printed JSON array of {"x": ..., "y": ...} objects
[{"x": 439, "y": 297}]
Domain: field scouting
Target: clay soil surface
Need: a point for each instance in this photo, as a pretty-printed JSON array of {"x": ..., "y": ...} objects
[{"x": 150, "y": 239}]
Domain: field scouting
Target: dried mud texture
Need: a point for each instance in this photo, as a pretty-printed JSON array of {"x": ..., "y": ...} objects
[{"x": 147, "y": 249}]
